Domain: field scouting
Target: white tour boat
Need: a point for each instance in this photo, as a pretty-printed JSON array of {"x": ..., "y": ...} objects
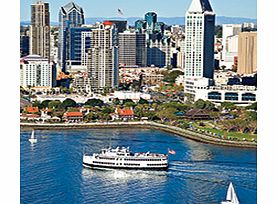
[
  {"x": 32, "y": 140},
  {"x": 123, "y": 158},
  {"x": 231, "y": 197}
]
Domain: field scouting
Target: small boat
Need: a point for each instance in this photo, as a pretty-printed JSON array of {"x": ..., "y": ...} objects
[
  {"x": 123, "y": 158},
  {"x": 32, "y": 139},
  {"x": 231, "y": 197}
]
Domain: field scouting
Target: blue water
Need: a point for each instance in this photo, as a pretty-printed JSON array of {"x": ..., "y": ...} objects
[{"x": 51, "y": 171}]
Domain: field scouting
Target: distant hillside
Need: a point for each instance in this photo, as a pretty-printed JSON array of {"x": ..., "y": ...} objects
[{"x": 169, "y": 21}]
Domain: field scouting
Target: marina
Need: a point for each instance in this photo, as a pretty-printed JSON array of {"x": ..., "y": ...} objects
[{"x": 52, "y": 170}]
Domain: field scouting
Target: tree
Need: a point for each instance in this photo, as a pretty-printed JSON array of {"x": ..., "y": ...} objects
[
  {"x": 54, "y": 104},
  {"x": 139, "y": 110},
  {"x": 90, "y": 117},
  {"x": 171, "y": 77},
  {"x": 129, "y": 104},
  {"x": 45, "y": 103},
  {"x": 228, "y": 106},
  {"x": 127, "y": 101},
  {"x": 116, "y": 101},
  {"x": 94, "y": 102},
  {"x": 200, "y": 104},
  {"x": 253, "y": 106},
  {"x": 108, "y": 110},
  {"x": 168, "y": 113},
  {"x": 142, "y": 101},
  {"x": 37, "y": 104},
  {"x": 68, "y": 103}
]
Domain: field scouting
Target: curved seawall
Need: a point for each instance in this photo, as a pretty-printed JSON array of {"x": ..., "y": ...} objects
[{"x": 200, "y": 137}]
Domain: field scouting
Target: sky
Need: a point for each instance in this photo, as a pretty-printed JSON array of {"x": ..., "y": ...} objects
[{"x": 137, "y": 8}]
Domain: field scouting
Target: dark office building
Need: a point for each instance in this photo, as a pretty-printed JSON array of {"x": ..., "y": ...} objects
[{"x": 121, "y": 26}]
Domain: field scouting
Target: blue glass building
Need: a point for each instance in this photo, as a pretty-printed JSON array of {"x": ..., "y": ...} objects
[
  {"x": 75, "y": 44},
  {"x": 70, "y": 16}
]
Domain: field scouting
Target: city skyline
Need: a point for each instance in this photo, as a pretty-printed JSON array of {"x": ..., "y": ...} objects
[{"x": 133, "y": 9}]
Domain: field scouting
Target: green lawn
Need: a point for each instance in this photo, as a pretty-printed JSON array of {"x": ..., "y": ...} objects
[{"x": 229, "y": 135}]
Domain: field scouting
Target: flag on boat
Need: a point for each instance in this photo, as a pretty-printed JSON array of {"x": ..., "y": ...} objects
[
  {"x": 171, "y": 151},
  {"x": 119, "y": 11}
]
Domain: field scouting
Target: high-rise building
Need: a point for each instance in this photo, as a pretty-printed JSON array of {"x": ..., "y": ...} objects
[
  {"x": 132, "y": 49},
  {"x": 247, "y": 53},
  {"x": 103, "y": 58},
  {"x": 141, "y": 50},
  {"x": 40, "y": 29},
  {"x": 127, "y": 48},
  {"x": 121, "y": 26},
  {"x": 85, "y": 45},
  {"x": 70, "y": 16},
  {"x": 199, "y": 44},
  {"x": 75, "y": 46},
  {"x": 227, "y": 31},
  {"x": 158, "y": 53},
  {"x": 140, "y": 26},
  {"x": 151, "y": 20},
  {"x": 36, "y": 71}
]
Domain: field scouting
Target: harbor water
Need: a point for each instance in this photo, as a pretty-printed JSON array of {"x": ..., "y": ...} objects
[{"x": 51, "y": 170}]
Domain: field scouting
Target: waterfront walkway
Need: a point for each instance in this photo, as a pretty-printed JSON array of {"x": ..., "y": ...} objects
[{"x": 204, "y": 137}]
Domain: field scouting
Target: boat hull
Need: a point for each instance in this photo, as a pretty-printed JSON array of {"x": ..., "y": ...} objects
[{"x": 92, "y": 166}]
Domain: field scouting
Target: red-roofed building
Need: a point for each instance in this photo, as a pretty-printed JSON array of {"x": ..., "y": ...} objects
[
  {"x": 24, "y": 116},
  {"x": 31, "y": 109},
  {"x": 107, "y": 23},
  {"x": 73, "y": 116},
  {"x": 123, "y": 114}
]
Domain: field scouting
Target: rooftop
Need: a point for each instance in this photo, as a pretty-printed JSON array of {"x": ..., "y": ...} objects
[
  {"x": 71, "y": 5},
  {"x": 200, "y": 6}
]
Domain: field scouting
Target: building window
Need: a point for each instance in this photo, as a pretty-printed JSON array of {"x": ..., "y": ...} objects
[
  {"x": 231, "y": 96},
  {"x": 214, "y": 96},
  {"x": 248, "y": 97}
]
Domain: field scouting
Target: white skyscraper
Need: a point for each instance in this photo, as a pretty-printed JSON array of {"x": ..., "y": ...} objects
[
  {"x": 103, "y": 57},
  {"x": 199, "y": 42},
  {"x": 36, "y": 71}
]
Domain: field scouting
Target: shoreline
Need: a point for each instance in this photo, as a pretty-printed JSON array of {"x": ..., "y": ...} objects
[{"x": 203, "y": 138}]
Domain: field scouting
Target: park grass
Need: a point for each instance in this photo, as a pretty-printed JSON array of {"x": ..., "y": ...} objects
[{"x": 228, "y": 135}]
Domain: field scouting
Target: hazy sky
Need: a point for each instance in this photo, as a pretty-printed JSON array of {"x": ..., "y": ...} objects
[{"x": 137, "y": 8}]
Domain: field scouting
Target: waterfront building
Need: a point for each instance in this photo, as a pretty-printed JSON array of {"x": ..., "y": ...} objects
[
  {"x": 103, "y": 58},
  {"x": 123, "y": 114},
  {"x": 199, "y": 41},
  {"x": 70, "y": 16},
  {"x": 36, "y": 71},
  {"x": 247, "y": 53},
  {"x": 40, "y": 30},
  {"x": 73, "y": 116},
  {"x": 206, "y": 90},
  {"x": 132, "y": 49}
]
